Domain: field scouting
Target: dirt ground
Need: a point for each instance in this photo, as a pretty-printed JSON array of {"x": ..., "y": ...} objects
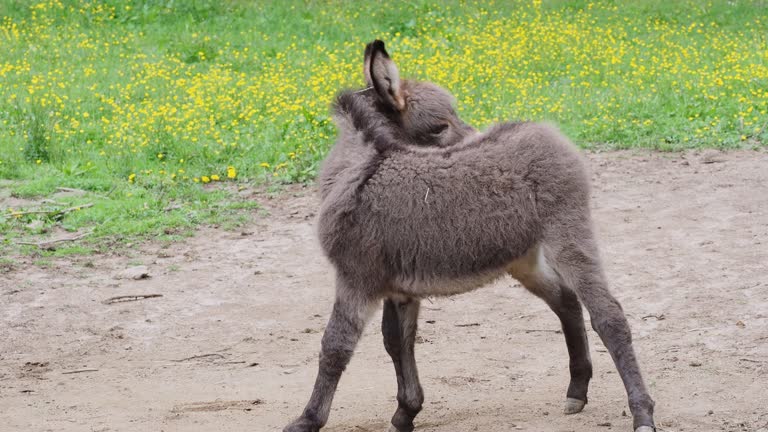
[{"x": 232, "y": 343}]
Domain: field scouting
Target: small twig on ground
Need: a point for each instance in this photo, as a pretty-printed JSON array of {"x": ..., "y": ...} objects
[
  {"x": 467, "y": 325},
  {"x": 753, "y": 360},
  {"x": 76, "y": 371},
  {"x": 59, "y": 212},
  {"x": 71, "y": 209},
  {"x": 200, "y": 356},
  {"x": 659, "y": 317},
  {"x": 30, "y": 212},
  {"x": 66, "y": 189},
  {"x": 130, "y": 298},
  {"x": 81, "y": 191},
  {"x": 48, "y": 244},
  {"x": 542, "y": 331},
  {"x": 699, "y": 329}
]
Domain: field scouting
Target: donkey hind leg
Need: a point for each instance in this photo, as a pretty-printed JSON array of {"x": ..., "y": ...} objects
[
  {"x": 398, "y": 326},
  {"x": 579, "y": 264},
  {"x": 539, "y": 278},
  {"x": 344, "y": 329}
]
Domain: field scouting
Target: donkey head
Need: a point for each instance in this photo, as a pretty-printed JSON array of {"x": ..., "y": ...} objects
[{"x": 422, "y": 111}]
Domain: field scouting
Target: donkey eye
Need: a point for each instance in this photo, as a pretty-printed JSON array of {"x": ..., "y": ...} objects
[{"x": 437, "y": 130}]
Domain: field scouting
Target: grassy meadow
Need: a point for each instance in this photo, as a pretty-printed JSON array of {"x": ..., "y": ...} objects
[{"x": 158, "y": 112}]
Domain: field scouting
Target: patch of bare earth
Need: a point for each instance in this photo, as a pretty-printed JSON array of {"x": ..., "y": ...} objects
[{"x": 231, "y": 344}]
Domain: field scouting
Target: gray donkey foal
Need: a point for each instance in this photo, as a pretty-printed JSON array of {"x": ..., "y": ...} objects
[{"x": 416, "y": 203}]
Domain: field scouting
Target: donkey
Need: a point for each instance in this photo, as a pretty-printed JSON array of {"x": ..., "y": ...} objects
[{"x": 416, "y": 203}]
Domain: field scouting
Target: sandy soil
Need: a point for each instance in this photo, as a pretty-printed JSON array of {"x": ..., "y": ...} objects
[{"x": 232, "y": 343}]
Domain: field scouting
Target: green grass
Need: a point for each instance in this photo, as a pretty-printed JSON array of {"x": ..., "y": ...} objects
[{"x": 141, "y": 103}]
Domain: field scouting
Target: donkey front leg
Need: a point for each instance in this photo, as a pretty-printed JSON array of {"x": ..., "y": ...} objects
[
  {"x": 398, "y": 325},
  {"x": 345, "y": 326}
]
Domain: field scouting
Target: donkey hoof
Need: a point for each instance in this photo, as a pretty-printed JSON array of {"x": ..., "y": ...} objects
[
  {"x": 646, "y": 429},
  {"x": 301, "y": 425},
  {"x": 573, "y": 406}
]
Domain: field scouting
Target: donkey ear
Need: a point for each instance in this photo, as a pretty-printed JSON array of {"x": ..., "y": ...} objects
[
  {"x": 385, "y": 77},
  {"x": 367, "y": 65}
]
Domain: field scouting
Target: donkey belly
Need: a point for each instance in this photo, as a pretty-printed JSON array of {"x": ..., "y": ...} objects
[
  {"x": 437, "y": 286},
  {"x": 530, "y": 266}
]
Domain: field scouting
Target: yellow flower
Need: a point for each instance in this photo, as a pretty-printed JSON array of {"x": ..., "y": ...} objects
[
  {"x": 214, "y": 177},
  {"x": 196, "y": 180},
  {"x": 160, "y": 155},
  {"x": 131, "y": 178},
  {"x": 231, "y": 172},
  {"x": 264, "y": 165},
  {"x": 205, "y": 179},
  {"x": 39, "y": 161}
]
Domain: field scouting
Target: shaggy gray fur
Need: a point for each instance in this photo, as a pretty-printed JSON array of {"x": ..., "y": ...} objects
[{"x": 416, "y": 203}]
